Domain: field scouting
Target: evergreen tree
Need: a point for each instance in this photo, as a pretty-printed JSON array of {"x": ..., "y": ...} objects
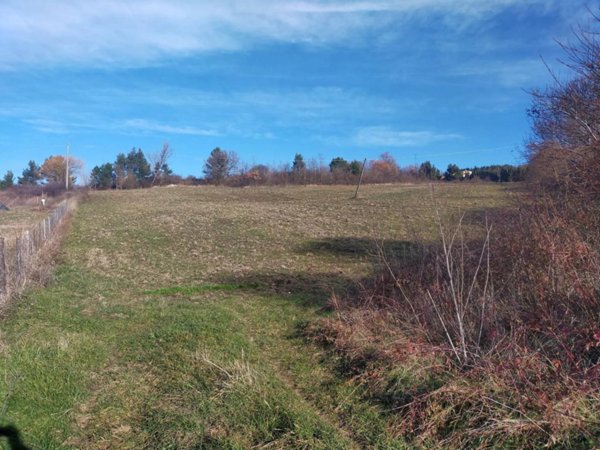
[
  {"x": 132, "y": 170},
  {"x": 219, "y": 165},
  {"x": 429, "y": 171},
  {"x": 355, "y": 167},
  {"x": 339, "y": 164},
  {"x": 138, "y": 165},
  {"x": 31, "y": 174},
  {"x": 8, "y": 180},
  {"x": 103, "y": 177},
  {"x": 452, "y": 172},
  {"x": 298, "y": 166}
]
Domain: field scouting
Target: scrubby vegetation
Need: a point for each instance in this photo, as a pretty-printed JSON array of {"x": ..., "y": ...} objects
[
  {"x": 492, "y": 337},
  {"x": 30, "y": 194}
]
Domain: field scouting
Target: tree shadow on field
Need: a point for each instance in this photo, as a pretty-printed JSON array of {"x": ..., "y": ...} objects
[
  {"x": 478, "y": 216},
  {"x": 357, "y": 246},
  {"x": 304, "y": 288},
  {"x": 13, "y": 436},
  {"x": 315, "y": 288}
]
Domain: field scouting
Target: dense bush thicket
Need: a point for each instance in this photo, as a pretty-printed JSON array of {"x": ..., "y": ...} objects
[{"x": 493, "y": 339}]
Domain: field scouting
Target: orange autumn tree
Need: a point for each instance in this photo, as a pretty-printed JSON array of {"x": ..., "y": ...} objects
[
  {"x": 384, "y": 169},
  {"x": 54, "y": 169}
]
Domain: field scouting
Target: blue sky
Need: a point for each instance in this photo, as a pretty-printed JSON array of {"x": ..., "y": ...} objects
[{"x": 439, "y": 80}]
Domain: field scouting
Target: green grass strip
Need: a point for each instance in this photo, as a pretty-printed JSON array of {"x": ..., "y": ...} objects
[{"x": 189, "y": 290}]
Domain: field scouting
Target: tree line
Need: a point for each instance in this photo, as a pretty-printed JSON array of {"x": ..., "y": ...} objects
[
  {"x": 222, "y": 168},
  {"x": 52, "y": 172},
  {"x": 135, "y": 170}
]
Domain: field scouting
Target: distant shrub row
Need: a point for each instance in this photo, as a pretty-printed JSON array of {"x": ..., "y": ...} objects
[{"x": 222, "y": 167}]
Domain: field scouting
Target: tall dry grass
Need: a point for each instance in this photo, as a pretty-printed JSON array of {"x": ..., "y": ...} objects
[{"x": 486, "y": 340}]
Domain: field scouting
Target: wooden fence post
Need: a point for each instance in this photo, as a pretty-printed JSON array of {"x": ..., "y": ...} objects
[
  {"x": 19, "y": 262},
  {"x": 28, "y": 243},
  {"x": 3, "y": 275}
]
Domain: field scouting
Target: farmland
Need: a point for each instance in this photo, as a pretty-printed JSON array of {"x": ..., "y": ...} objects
[
  {"x": 173, "y": 319},
  {"x": 23, "y": 212},
  {"x": 22, "y": 217}
]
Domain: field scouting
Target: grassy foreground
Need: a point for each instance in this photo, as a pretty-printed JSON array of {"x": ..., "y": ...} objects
[{"x": 173, "y": 318}]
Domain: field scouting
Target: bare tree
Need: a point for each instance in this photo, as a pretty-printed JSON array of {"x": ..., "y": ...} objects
[
  {"x": 564, "y": 155},
  {"x": 159, "y": 161}
]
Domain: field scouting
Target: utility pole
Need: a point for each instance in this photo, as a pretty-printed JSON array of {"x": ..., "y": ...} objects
[
  {"x": 362, "y": 170},
  {"x": 67, "y": 174}
]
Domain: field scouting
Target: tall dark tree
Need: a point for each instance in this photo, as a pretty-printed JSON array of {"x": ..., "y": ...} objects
[
  {"x": 103, "y": 177},
  {"x": 219, "y": 165},
  {"x": 452, "y": 172},
  {"x": 138, "y": 165},
  {"x": 31, "y": 174},
  {"x": 120, "y": 170},
  {"x": 132, "y": 170},
  {"x": 298, "y": 169},
  {"x": 339, "y": 164},
  {"x": 355, "y": 167},
  {"x": 298, "y": 165},
  {"x": 429, "y": 171},
  {"x": 8, "y": 180}
]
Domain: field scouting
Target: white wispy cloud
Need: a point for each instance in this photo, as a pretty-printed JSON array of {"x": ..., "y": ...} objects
[
  {"x": 516, "y": 73},
  {"x": 48, "y": 125},
  {"x": 147, "y": 126},
  {"x": 74, "y": 123},
  {"x": 381, "y": 136},
  {"x": 208, "y": 113},
  {"x": 138, "y": 32}
]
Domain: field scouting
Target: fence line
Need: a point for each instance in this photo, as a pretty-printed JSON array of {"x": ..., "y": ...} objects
[
  {"x": 18, "y": 262},
  {"x": 3, "y": 275}
]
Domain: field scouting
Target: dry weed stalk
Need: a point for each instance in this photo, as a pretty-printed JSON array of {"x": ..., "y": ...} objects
[
  {"x": 452, "y": 288},
  {"x": 459, "y": 276}
]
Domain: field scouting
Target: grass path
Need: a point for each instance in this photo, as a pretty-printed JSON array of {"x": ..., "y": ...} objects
[{"x": 173, "y": 319}]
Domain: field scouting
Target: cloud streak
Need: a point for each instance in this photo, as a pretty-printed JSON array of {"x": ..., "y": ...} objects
[
  {"x": 146, "y": 126},
  {"x": 252, "y": 113},
  {"x": 514, "y": 74},
  {"x": 142, "y": 32},
  {"x": 380, "y": 136}
]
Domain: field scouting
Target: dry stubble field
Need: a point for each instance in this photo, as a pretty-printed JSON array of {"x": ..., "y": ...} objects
[
  {"x": 173, "y": 318},
  {"x": 20, "y": 218}
]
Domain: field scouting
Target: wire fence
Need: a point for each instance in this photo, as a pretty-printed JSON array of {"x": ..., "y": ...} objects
[{"x": 20, "y": 257}]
